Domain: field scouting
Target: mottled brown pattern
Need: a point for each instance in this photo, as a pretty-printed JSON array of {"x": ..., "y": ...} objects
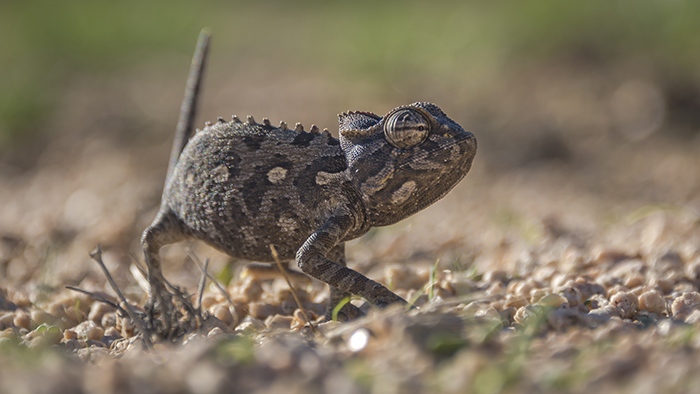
[{"x": 243, "y": 186}]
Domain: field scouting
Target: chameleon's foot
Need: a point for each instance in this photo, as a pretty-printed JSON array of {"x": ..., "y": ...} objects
[{"x": 159, "y": 308}]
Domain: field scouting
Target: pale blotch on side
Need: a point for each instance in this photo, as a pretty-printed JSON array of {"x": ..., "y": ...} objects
[
  {"x": 403, "y": 193},
  {"x": 277, "y": 174},
  {"x": 324, "y": 178},
  {"x": 220, "y": 173},
  {"x": 287, "y": 224},
  {"x": 189, "y": 178},
  {"x": 377, "y": 182}
]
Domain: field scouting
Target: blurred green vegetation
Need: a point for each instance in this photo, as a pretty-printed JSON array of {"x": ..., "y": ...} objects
[{"x": 47, "y": 44}]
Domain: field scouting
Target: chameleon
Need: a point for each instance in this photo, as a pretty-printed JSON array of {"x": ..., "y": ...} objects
[{"x": 241, "y": 186}]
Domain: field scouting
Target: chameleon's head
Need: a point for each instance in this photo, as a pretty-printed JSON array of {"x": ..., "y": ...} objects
[{"x": 406, "y": 160}]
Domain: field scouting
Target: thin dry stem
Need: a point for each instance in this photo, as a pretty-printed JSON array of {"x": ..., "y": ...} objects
[
  {"x": 202, "y": 284},
  {"x": 98, "y": 298},
  {"x": 291, "y": 288},
  {"x": 96, "y": 255},
  {"x": 198, "y": 263},
  {"x": 138, "y": 264}
]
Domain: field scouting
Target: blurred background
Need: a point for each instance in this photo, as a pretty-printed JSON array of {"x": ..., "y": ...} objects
[{"x": 585, "y": 112}]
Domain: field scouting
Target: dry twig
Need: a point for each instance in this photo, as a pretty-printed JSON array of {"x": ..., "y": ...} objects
[
  {"x": 291, "y": 288},
  {"x": 202, "y": 284},
  {"x": 198, "y": 263},
  {"x": 145, "y": 333},
  {"x": 98, "y": 298}
]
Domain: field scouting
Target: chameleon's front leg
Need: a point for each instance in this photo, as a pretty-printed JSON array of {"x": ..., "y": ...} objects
[
  {"x": 348, "y": 311},
  {"x": 312, "y": 260}
]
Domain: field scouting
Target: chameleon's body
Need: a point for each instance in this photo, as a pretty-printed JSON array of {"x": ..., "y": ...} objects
[{"x": 243, "y": 186}]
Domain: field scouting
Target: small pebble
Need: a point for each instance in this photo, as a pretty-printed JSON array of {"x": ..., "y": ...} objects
[
  {"x": 215, "y": 332},
  {"x": 279, "y": 322},
  {"x": 69, "y": 334},
  {"x": 686, "y": 301},
  {"x": 98, "y": 310},
  {"x": 571, "y": 294},
  {"x": 626, "y": 302},
  {"x": 22, "y": 320},
  {"x": 251, "y": 289},
  {"x": 552, "y": 300},
  {"x": 607, "y": 311},
  {"x": 6, "y": 320},
  {"x": 652, "y": 301},
  {"x": 208, "y": 301},
  {"x": 261, "y": 310},
  {"x": 41, "y": 317},
  {"x": 88, "y": 330},
  {"x": 223, "y": 313}
]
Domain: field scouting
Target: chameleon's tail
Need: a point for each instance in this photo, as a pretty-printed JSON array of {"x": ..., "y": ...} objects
[{"x": 189, "y": 102}]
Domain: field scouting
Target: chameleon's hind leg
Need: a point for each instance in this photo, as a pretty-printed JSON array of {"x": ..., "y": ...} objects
[
  {"x": 348, "y": 311},
  {"x": 165, "y": 229}
]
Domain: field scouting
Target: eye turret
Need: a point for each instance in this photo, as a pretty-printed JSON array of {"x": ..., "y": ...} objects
[{"x": 406, "y": 128}]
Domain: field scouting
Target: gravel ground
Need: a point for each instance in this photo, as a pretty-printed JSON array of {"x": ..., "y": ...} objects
[{"x": 570, "y": 265}]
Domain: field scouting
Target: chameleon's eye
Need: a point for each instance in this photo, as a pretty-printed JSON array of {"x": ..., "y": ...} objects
[{"x": 406, "y": 128}]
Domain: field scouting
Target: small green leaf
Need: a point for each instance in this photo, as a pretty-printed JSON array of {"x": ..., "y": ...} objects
[
  {"x": 433, "y": 275},
  {"x": 225, "y": 275},
  {"x": 53, "y": 329},
  {"x": 415, "y": 298},
  {"x": 240, "y": 349},
  {"x": 445, "y": 343},
  {"x": 77, "y": 308},
  {"x": 340, "y": 306},
  {"x": 490, "y": 380}
]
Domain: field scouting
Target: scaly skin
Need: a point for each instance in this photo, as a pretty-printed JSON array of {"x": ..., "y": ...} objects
[{"x": 243, "y": 186}]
